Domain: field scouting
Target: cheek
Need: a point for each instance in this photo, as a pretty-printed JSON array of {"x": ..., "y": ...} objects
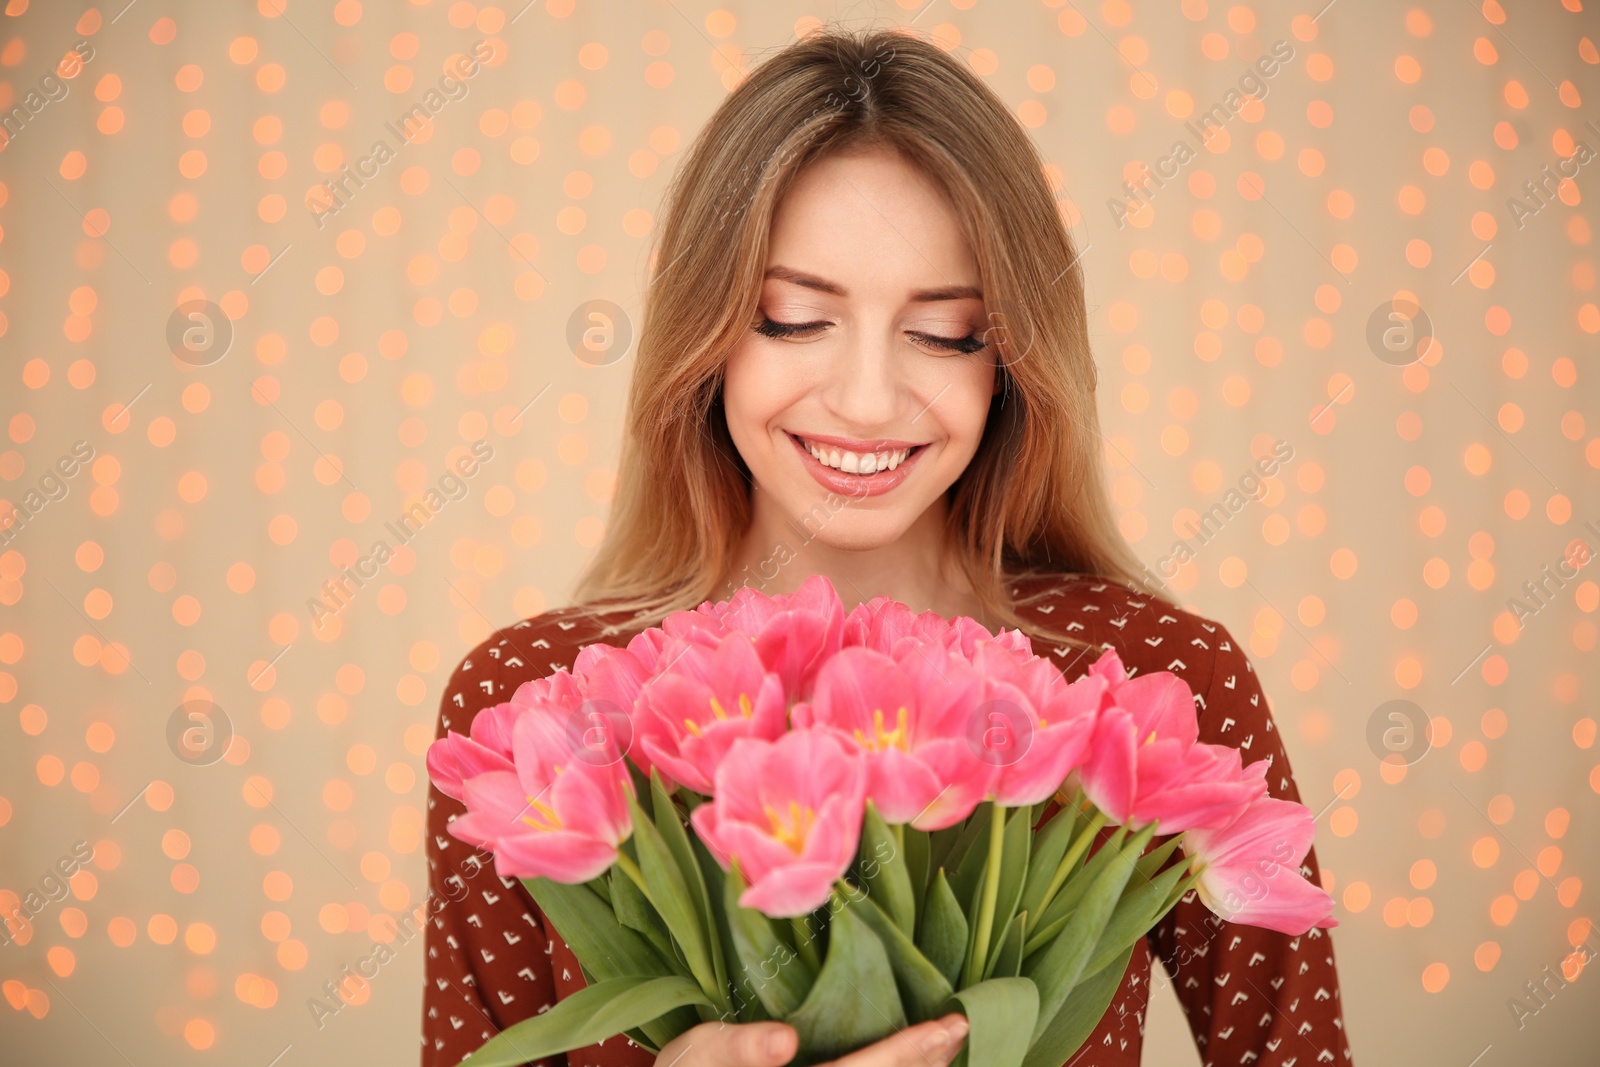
[
  {"x": 752, "y": 395},
  {"x": 963, "y": 408},
  {"x": 740, "y": 387}
]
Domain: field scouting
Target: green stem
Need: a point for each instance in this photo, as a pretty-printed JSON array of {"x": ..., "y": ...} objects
[
  {"x": 979, "y": 957},
  {"x": 1079, "y": 845}
]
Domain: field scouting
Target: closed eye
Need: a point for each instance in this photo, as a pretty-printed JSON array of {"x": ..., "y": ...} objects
[
  {"x": 963, "y": 345},
  {"x": 772, "y": 328}
]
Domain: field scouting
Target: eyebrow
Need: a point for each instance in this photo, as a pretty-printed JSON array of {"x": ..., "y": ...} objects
[{"x": 822, "y": 285}]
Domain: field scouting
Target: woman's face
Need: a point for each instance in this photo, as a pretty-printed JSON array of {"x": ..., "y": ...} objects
[{"x": 867, "y": 354}]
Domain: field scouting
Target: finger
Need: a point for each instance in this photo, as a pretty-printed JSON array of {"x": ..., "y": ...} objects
[
  {"x": 930, "y": 1044},
  {"x": 723, "y": 1044}
]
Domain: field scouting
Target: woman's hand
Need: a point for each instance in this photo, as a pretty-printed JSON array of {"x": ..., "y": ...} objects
[{"x": 771, "y": 1044}]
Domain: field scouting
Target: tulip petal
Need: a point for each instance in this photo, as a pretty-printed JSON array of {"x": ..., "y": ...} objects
[
  {"x": 1108, "y": 775},
  {"x": 789, "y": 891}
]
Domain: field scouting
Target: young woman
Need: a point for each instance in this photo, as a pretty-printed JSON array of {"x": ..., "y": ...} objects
[{"x": 865, "y": 355}]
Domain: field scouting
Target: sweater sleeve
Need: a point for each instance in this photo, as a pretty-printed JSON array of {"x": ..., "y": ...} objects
[
  {"x": 1252, "y": 996},
  {"x": 488, "y": 961}
]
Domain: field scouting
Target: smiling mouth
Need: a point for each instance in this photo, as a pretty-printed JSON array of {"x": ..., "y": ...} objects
[{"x": 858, "y": 463}]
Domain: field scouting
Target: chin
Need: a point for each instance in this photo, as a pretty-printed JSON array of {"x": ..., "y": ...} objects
[{"x": 851, "y": 531}]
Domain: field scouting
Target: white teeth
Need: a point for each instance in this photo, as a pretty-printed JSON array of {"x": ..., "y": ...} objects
[{"x": 857, "y": 463}]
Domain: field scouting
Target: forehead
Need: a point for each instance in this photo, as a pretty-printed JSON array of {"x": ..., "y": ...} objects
[{"x": 871, "y": 220}]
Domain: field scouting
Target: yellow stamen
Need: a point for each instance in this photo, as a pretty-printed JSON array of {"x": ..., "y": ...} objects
[
  {"x": 721, "y": 713},
  {"x": 792, "y": 836},
  {"x": 550, "y": 821},
  {"x": 881, "y": 739}
]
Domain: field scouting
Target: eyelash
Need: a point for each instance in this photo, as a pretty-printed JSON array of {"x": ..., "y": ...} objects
[{"x": 960, "y": 345}]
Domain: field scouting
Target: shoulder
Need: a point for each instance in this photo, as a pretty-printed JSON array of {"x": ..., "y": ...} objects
[
  {"x": 532, "y": 648},
  {"x": 1148, "y": 632}
]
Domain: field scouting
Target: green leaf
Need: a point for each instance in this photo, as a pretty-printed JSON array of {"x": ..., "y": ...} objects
[
  {"x": 942, "y": 842},
  {"x": 968, "y": 856},
  {"x": 1072, "y": 1025},
  {"x": 668, "y": 891},
  {"x": 1139, "y": 909},
  {"x": 641, "y": 787},
  {"x": 1076, "y": 885},
  {"x": 635, "y": 912},
  {"x": 853, "y": 1002},
  {"x": 942, "y": 934},
  {"x": 607, "y": 948},
  {"x": 1001, "y": 1014},
  {"x": 1007, "y": 959},
  {"x": 1045, "y": 934},
  {"x": 677, "y": 840},
  {"x": 590, "y": 927},
  {"x": 1144, "y": 871},
  {"x": 1058, "y": 967},
  {"x": 1049, "y": 845},
  {"x": 916, "y": 844},
  {"x": 591, "y": 1014},
  {"x": 602, "y": 885},
  {"x": 889, "y": 882},
  {"x": 749, "y": 1010},
  {"x": 922, "y": 987},
  {"x": 767, "y": 970},
  {"x": 1156, "y": 858}
]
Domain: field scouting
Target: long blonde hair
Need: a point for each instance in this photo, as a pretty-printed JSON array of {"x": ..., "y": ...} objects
[{"x": 1031, "y": 503}]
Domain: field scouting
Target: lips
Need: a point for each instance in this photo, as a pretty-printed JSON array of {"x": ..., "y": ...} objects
[
  {"x": 860, "y": 458},
  {"x": 856, "y": 485}
]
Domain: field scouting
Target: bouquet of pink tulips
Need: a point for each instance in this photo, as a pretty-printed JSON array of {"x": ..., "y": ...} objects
[{"x": 770, "y": 808}]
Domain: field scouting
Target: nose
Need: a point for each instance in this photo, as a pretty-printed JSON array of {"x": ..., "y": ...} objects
[{"x": 866, "y": 387}]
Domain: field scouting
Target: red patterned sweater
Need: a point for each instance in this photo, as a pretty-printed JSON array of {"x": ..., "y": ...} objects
[{"x": 1252, "y": 996}]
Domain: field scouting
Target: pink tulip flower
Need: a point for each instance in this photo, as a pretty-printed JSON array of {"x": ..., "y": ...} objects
[
  {"x": 1145, "y": 764},
  {"x": 1161, "y": 703},
  {"x": 611, "y": 680},
  {"x": 789, "y": 812},
  {"x": 1205, "y": 785},
  {"x": 709, "y": 697},
  {"x": 487, "y": 747},
  {"x": 1047, "y": 721},
  {"x": 912, "y": 720},
  {"x": 881, "y": 624},
  {"x": 793, "y": 633},
  {"x": 643, "y": 649},
  {"x": 1252, "y": 873},
  {"x": 551, "y": 816},
  {"x": 455, "y": 757}
]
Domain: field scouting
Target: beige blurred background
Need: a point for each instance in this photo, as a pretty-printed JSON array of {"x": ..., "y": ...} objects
[{"x": 260, "y": 372}]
